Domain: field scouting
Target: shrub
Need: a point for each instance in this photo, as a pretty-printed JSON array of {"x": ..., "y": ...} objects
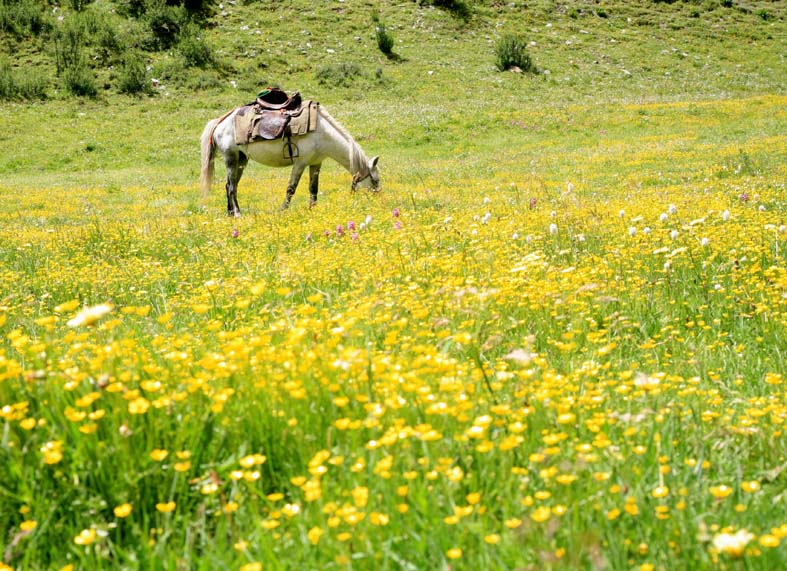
[
  {"x": 340, "y": 75},
  {"x": 385, "y": 40},
  {"x": 510, "y": 52},
  {"x": 164, "y": 23},
  {"x": 79, "y": 5},
  {"x": 31, "y": 85},
  {"x": 133, "y": 78},
  {"x": 22, "y": 17},
  {"x": 195, "y": 50},
  {"x": 79, "y": 80},
  {"x": 458, "y": 8}
]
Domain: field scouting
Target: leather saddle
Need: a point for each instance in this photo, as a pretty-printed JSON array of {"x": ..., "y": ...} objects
[{"x": 275, "y": 99}]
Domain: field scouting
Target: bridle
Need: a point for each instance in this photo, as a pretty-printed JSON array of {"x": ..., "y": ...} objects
[{"x": 358, "y": 179}]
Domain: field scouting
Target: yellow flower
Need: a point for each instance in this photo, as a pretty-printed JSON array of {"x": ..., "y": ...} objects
[
  {"x": 769, "y": 540},
  {"x": 85, "y": 537},
  {"x": 660, "y": 492},
  {"x": 541, "y": 514},
  {"x": 492, "y": 538},
  {"x": 158, "y": 455},
  {"x": 123, "y": 510},
  {"x": 138, "y": 406},
  {"x": 454, "y": 553},
  {"x": 720, "y": 492},
  {"x": 255, "y": 566},
  {"x": 182, "y": 466},
  {"x": 378, "y": 519},
  {"x": 750, "y": 487},
  {"x": 165, "y": 507},
  {"x": 513, "y": 523},
  {"x": 28, "y": 525},
  {"x": 314, "y": 535}
]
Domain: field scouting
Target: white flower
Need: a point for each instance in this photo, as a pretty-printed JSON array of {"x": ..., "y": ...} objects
[
  {"x": 762, "y": 208},
  {"x": 528, "y": 238},
  {"x": 704, "y": 242},
  {"x": 673, "y": 234},
  {"x": 553, "y": 228},
  {"x": 732, "y": 544},
  {"x": 646, "y": 230},
  {"x": 368, "y": 219},
  {"x": 486, "y": 200},
  {"x": 782, "y": 228},
  {"x": 663, "y": 217},
  {"x": 89, "y": 315},
  {"x": 553, "y": 214},
  {"x": 632, "y": 231},
  {"x": 569, "y": 187},
  {"x": 725, "y": 215},
  {"x": 622, "y": 213},
  {"x": 672, "y": 209},
  {"x": 667, "y": 265},
  {"x": 717, "y": 287},
  {"x": 515, "y": 236},
  {"x": 486, "y": 218}
]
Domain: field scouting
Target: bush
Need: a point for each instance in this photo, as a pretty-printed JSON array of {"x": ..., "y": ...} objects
[
  {"x": 79, "y": 5},
  {"x": 22, "y": 17},
  {"x": 510, "y": 52},
  {"x": 458, "y": 8},
  {"x": 133, "y": 78},
  {"x": 164, "y": 23},
  {"x": 341, "y": 75},
  {"x": 194, "y": 49},
  {"x": 79, "y": 80},
  {"x": 385, "y": 41}
]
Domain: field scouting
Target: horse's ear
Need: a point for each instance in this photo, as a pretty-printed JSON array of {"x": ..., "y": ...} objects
[{"x": 373, "y": 162}]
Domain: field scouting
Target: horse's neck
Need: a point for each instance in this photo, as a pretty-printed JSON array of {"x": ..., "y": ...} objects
[{"x": 341, "y": 146}]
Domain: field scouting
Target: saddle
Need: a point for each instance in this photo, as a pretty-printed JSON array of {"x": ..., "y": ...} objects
[
  {"x": 275, "y": 115},
  {"x": 275, "y": 99}
]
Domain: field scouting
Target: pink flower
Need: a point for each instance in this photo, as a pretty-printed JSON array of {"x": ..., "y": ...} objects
[
  {"x": 309, "y": 237},
  {"x": 395, "y": 212},
  {"x": 327, "y": 233},
  {"x": 235, "y": 233},
  {"x": 533, "y": 202},
  {"x": 398, "y": 225},
  {"x": 745, "y": 197},
  {"x": 339, "y": 230},
  {"x": 354, "y": 235},
  {"x": 351, "y": 225}
]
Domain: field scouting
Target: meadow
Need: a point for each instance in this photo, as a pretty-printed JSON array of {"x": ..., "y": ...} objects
[{"x": 555, "y": 340}]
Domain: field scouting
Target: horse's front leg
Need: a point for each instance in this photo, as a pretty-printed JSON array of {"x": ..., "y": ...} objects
[
  {"x": 314, "y": 181},
  {"x": 295, "y": 177}
]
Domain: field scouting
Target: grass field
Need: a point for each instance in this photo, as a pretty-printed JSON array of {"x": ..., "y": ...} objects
[{"x": 554, "y": 341}]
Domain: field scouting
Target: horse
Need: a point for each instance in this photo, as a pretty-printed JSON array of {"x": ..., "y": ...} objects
[{"x": 329, "y": 140}]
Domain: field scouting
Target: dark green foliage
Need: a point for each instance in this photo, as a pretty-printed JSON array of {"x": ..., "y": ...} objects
[
  {"x": 23, "y": 17},
  {"x": 458, "y": 8},
  {"x": 80, "y": 81},
  {"x": 164, "y": 22},
  {"x": 511, "y": 51},
  {"x": 133, "y": 77},
  {"x": 79, "y": 5},
  {"x": 385, "y": 40},
  {"x": 195, "y": 50},
  {"x": 340, "y": 75}
]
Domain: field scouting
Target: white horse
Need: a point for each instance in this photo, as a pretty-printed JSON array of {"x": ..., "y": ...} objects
[{"x": 328, "y": 140}]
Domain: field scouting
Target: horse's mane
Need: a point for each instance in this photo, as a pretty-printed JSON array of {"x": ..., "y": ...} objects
[{"x": 359, "y": 163}]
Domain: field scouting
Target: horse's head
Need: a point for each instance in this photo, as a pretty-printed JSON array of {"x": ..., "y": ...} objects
[{"x": 369, "y": 179}]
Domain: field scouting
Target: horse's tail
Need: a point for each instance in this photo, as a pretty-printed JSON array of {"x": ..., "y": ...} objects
[{"x": 207, "y": 151}]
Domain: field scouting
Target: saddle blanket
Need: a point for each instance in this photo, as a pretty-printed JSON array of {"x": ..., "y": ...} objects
[{"x": 252, "y": 123}]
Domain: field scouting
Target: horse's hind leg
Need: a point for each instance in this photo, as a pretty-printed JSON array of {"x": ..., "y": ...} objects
[
  {"x": 314, "y": 181},
  {"x": 295, "y": 177},
  {"x": 235, "y": 165}
]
